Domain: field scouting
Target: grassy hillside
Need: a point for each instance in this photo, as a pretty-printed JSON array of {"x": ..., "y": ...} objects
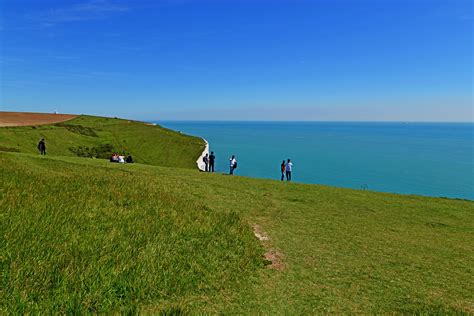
[
  {"x": 84, "y": 235},
  {"x": 148, "y": 144}
]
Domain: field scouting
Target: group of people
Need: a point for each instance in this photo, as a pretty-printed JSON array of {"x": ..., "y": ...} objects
[
  {"x": 209, "y": 162},
  {"x": 121, "y": 159},
  {"x": 114, "y": 158},
  {"x": 286, "y": 168},
  {"x": 209, "y": 166}
]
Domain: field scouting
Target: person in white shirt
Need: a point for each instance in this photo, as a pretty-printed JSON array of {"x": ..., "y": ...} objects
[
  {"x": 288, "y": 168},
  {"x": 232, "y": 164}
]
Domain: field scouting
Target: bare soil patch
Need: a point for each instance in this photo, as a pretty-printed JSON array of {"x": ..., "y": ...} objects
[
  {"x": 259, "y": 233},
  {"x": 277, "y": 260},
  {"x": 27, "y": 119}
]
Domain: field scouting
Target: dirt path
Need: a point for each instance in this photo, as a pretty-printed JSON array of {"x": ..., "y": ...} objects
[{"x": 26, "y": 119}]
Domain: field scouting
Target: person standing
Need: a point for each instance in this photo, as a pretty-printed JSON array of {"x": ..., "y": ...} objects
[
  {"x": 206, "y": 162},
  {"x": 42, "y": 147},
  {"x": 212, "y": 159},
  {"x": 232, "y": 164},
  {"x": 288, "y": 169},
  {"x": 283, "y": 169}
]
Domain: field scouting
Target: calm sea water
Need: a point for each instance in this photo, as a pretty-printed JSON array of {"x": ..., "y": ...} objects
[{"x": 435, "y": 159}]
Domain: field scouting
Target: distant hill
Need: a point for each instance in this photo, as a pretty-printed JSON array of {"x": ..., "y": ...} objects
[{"x": 90, "y": 136}]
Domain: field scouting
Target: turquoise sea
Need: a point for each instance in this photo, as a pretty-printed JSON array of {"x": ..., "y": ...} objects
[{"x": 434, "y": 159}]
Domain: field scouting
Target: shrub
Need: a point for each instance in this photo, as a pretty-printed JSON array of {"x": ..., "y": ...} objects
[
  {"x": 10, "y": 149},
  {"x": 102, "y": 151},
  {"x": 79, "y": 129}
]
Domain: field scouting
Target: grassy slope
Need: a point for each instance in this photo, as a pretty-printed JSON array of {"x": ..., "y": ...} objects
[
  {"x": 148, "y": 144},
  {"x": 83, "y": 234}
]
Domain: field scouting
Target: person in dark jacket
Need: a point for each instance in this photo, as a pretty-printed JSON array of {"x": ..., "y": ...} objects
[
  {"x": 212, "y": 159},
  {"x": 42, "y": 147},
  {"x": 206, "y": 162},
  {"x": 283, "y": 170}
]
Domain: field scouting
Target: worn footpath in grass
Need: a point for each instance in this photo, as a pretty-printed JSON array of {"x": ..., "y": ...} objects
[{"x": 84, "y": 235}]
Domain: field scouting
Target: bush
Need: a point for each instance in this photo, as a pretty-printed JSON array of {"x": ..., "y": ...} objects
[
  {"x": 102, "y": 151},
  {"x": 10, "y": 149},
  {"x": 79, "y": 129}
]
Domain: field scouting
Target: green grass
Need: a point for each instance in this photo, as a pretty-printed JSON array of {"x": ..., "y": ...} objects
[
  {"x": 148, "y": 144},
  {"x": 87, "y": 239},
  {"x": 84, "y": 235}
]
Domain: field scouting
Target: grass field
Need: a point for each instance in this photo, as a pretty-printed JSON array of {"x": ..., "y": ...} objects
[
  {"x": 148, "y": 144},
  {"x": 88, "y": 236}
]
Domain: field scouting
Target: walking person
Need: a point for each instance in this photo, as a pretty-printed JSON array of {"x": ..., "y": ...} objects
[
  {"x": 232, "y": 164},
  {"x": 283, "y": 169},
  {"x": 212, "y": 159},
  {"x": 42, "y": 147},
  {"x": 206, "y": 162},
  {"x": 288, "y": 169}
]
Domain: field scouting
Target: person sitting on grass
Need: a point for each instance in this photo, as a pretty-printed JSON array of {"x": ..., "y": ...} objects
[
  {"x": 121, "y": 159},
  {"x": 114, "y": 158},
  {"x": 129, "y": 159}
]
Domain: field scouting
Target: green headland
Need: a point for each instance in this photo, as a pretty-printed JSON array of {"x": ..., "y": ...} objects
[{"x": 79, "y": 234}]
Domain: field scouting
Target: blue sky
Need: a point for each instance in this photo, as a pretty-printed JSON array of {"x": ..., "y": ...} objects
[{"x": 402, "y": 60}]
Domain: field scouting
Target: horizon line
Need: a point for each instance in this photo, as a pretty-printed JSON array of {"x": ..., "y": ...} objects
[
  {"x": 311, "y": 121},
  {"x": 250, "y": 120}
]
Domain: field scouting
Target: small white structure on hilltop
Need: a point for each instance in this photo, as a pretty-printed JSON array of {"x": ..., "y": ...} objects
[{"x": 55, "y": 112}]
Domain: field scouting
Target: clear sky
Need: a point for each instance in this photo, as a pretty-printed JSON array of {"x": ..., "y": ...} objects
[{"x": 402, "y": 60}]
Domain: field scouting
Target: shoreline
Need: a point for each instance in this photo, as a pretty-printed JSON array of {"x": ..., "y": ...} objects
[{"x": 200, "y": 164}]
